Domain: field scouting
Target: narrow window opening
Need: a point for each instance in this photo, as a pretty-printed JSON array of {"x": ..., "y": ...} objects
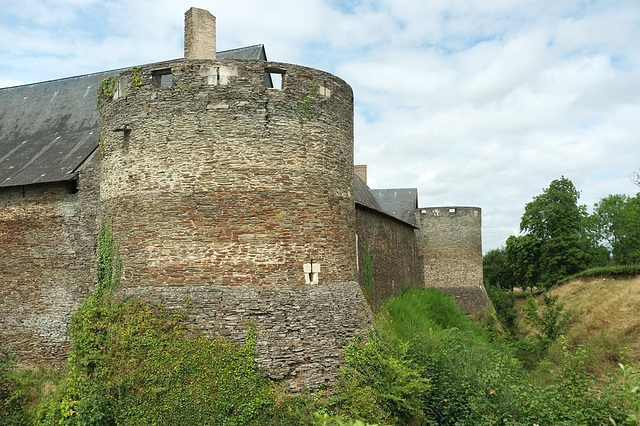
[
  {"x": 72, "y": 186},
  {"x": 274, "y": 79},
  {"x": 311, "y": 272},
  {"x": 162, "y": 78},
  {"x": 452, "y": 210}
]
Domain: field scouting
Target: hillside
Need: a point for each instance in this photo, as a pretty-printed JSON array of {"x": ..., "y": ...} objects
[{"x": 605, "y": 318}]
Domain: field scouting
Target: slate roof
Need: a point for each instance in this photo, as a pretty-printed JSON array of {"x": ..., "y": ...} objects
[
  {"x": 362, "y": 194},
  {"x": 399, "y": 203},
  {"x": 256, "y": 52},
  {"x": 48, "y": 129}
]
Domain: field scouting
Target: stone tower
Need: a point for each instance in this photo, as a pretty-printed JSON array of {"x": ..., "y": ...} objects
[
  {"x": 450, "y": 245},
  {"x": 235, "y": 199}
]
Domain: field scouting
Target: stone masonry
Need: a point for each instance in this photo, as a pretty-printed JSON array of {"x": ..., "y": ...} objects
[
  {"x": 450, "y": 244},
  {"x": 47, "y": 262},
  {"x": 231, "y": 201},
  {"x": 220, "y": 191}
]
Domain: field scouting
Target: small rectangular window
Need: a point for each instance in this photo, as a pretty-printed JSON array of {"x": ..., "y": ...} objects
[
  {"x": 452, "y": 210},
  {"x": 274, "y": 78},
  {"x": 163, "y": 78}
]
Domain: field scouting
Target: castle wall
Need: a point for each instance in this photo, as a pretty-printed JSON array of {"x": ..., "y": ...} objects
[
  {"x": 47, "y": 263},
  {"x": 450, "y": 245},
  {"x": 393, "y": 248},
  {"x": 229, "y": 187}
]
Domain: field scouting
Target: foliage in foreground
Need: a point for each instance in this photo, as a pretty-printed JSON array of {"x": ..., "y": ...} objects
[
  {"x": 12, "y": 398},
  {"x": 131, "y": 364},
  {"x": 477, "y": 381}
]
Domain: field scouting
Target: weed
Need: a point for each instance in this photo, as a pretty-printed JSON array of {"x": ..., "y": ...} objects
[
  {"x": 367, "y": 272},
  {"x": 107, "y": 88}
]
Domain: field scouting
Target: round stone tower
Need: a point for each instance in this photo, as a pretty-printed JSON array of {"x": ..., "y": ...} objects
[
  {"x": 237, "y": 197},
  {"x": 450, "y": 246},
  {"x": 213, "y": 178}
]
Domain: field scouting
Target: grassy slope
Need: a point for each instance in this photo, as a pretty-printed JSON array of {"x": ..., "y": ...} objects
[{"x": 606, "y": 318}]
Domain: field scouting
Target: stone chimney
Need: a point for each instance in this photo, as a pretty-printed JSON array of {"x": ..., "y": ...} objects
[
  {"x": 199, "y": 34},
  {"x": 361, "y": 171}
]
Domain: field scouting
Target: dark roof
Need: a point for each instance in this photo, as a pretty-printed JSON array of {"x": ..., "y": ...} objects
[
  {"x": 48, "y": 129},
  {"x": 398, "y": 202},
  {"x": 362, "y": 194},
  {"x": 255, "y": 52},
  {"x": 390, "y": 202}
]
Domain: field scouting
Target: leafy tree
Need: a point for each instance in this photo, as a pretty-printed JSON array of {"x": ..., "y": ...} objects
[
  {"x": 522, "y": 255},
  {"x": 615, "y": 223},
  {"x": 496, "y": 271},
  {"x": 554, "y": 213},
  {"x": 555, "y": 219}
]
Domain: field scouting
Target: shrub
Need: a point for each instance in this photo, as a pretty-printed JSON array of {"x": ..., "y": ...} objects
[
  {"x": 378, "y": 382},
  {"x": 12, "y": 397},
  {"x": 571, "y": 397},
  {"x": 547, "y": 318}
]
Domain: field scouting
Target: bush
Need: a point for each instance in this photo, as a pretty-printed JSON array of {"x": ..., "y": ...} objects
[
  {"x": 378, "y": 382},
  {"x": 571, "y": 397},
  {"x": 131, "y": 364},
  {"x": 504, "y": 303},
  {"x": 12, "y": 397},
  {"x": 547, "y": 318},
  {"x": 622, "y": 271}
]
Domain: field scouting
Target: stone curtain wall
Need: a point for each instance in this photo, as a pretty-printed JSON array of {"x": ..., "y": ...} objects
[
  {"x": 47, "y": 264},
  {"x": 227, "y": 188},
  {"x": 450, "y": 244},
  {"x": 393, "y": 247}
]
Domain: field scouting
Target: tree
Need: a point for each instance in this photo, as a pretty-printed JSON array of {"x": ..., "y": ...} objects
[
  {"x": 555, "y": 212},
  {"x": 495, "y": 270},
  {"x": 522, "y": 255},
  {"x": 615, "y": 223},
  {"x": 555, "y": 220}
]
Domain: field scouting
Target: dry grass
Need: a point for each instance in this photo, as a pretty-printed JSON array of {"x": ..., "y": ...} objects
[
  {"x": 609, "y": 306},
  {"x": 606, "y": 319}
]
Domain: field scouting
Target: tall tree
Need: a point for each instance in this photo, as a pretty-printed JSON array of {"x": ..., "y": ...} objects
[
  {"x": 615, "y": 222},
  {"x": 555, "y": 219},
  {"x": 495, "y": 270},
  {"x": 522, "y": 255}
]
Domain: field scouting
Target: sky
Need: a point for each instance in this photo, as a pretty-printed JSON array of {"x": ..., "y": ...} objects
[{"x": 474, "y": 103}]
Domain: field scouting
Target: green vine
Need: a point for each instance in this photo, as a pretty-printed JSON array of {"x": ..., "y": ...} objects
[
  {"x": 100, "y": 142},
  {"x": 107, "y": 88},
  {"x": 367, "y": 272},
  {"x": 304, "y": 106},
  {"x": 136, "y": 80},
  {"x": 109, "y": 265}
]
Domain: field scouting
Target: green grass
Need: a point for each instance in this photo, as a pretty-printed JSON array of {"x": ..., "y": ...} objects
[{"x": 620, "y": 271}]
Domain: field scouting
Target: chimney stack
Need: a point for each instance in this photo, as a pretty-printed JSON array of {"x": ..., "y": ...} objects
[
  {"x": 361, "y": 171},
  {"x": 199, "y": 34}
]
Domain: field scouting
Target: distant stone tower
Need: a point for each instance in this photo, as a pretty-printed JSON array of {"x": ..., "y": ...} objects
[
  {"x": 233, "y": 200},
  {"x": 450, "y": 245}
]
